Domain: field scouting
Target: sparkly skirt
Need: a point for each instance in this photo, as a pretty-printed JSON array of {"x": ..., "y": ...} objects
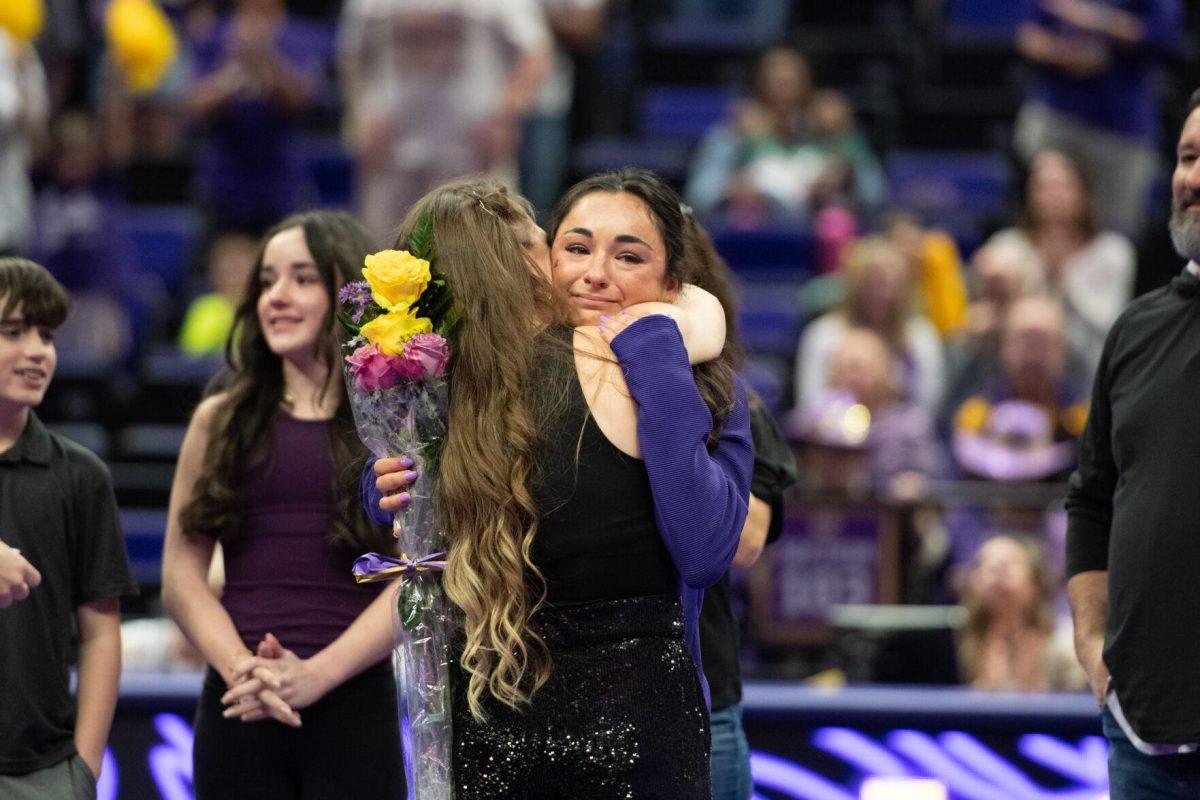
[{"x": 622, "y": 715}]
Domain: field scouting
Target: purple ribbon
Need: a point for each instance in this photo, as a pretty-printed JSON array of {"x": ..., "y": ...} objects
[{"x": 374, "y": 567}]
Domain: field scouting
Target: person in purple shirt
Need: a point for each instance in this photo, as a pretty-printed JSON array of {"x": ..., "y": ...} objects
[
  {"x": 255, "y": 75},
  {"x": 1093, "y": 93},
  {"x": 590, "y": 499},
  {"x": 269, "y": 469}
]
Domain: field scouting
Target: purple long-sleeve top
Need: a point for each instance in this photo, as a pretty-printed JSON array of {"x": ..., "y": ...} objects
[{"x": 700, "y": 497}]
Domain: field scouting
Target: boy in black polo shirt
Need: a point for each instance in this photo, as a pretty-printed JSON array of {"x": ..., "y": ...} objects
[{"x": 57, "y": 509}]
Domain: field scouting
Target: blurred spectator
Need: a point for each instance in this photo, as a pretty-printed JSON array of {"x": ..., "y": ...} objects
[
  {"x": 1095, "y": 93},
  {"x": 1001, "y": 273},
  {"x": 155, "y": 116},
  {"x": 779, "y": 110},
  {"x": 861, "y": 439},
  {"x": 1022, "y": 422},
  {"x": 255, "y": 76},
  {"x": 852, "y": 176},
  {"x": 61, "y": 46},
  {"x": 23, "y": 110},
  {"x": 902, "y": 451},
  {"x": 1090, "y": 269},
  {"x": 577, "y": 27},
  {"x": 933, "y": 257},
  {"x": 786, "y": 153},
  {"x": 209, "y": 318},
  {"x": 435, "y": 89},
  {"x": 879, "y": 294},
  {"x": 80, "y": 236},
  {"x": 1010, "y": 641}
]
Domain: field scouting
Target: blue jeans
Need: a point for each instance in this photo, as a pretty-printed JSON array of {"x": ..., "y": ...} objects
[
  {"x": 729, "y": 764},
  {"x": 1133, "y": 775}
]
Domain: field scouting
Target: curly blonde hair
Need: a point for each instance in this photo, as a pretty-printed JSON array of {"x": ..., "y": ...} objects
[{"x": 484, "y": 502}]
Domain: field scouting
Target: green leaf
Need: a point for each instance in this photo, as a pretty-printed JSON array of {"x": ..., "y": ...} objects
[
  {"x": 420, "y": 241},
  {"x": 348, "y": 323},
  {"x": 409, "y": 607}
]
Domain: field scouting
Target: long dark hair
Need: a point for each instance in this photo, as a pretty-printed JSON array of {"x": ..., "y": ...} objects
[
  {"x": 710, "y": 272},
  {"x": 714, "y": 379},
  {"x": 253, "y": 393},
  {"x": 1089, "y": 222}
]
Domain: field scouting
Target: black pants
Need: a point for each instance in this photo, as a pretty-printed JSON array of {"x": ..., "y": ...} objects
[
  {"x": 622, "y": 715},
  {"x": 347, "y": 747}
]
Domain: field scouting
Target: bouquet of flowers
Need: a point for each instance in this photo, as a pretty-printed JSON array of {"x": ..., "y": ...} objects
[{"x": 395, "y": 356}]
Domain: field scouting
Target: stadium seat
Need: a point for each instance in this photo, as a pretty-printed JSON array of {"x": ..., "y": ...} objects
[
  {"x": 785, "y": 252},
  {"x": 668, "y": 159},
  {"x": 164, "y": 238},
  {"x": 769, "y": 321},
  {"x": 973, "y": 181},
  {"x": 682, "y": 112},
  {"x": 151, "y": 442},
  {"x": 331, "y": 170},
  {"x": 89, "y": 434},
  {"x": 998, "y": 16},
  {"x": 144, "y": 530}
]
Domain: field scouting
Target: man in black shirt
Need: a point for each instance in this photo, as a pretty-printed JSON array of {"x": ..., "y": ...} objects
[{"x": 1133, "y": 547}]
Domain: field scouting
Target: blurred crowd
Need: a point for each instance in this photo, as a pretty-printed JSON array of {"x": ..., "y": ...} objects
[{"x": 924, "y": 358}]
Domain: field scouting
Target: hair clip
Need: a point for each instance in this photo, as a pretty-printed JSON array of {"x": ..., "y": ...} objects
[{"x": 484, "y": 206}]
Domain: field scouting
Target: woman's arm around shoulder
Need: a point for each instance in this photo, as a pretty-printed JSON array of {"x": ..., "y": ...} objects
[
  {"x": 700, "y": 317},
  {"x": 700, "y": 496}
]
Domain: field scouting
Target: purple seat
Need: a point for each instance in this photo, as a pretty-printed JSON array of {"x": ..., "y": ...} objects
[
  {"x": 974, "y": 181},
  {"x": 682, "y": 112},
  {"x": 163, "y": 238},
  {"x": 770, "y": 250}
]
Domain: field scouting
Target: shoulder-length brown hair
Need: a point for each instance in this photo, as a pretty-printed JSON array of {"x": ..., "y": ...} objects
[
  {"x": 714, "y": 379},
  {"x": 1038, "y": 617},
  {"x": 253, "y": 393},
  {"x": 484, "y": 500},
  {"x": 1089, "y": 222}
]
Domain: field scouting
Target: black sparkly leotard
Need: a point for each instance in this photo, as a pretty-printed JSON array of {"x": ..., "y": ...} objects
[{"x": 622, "y": 715}]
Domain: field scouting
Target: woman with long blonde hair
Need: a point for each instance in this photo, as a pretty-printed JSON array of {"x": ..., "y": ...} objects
[
  {"x": 879, "y": 293},
  {"x": 571, "y": 559}
]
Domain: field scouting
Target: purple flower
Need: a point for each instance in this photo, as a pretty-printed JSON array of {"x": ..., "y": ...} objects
[
  {"x": 356, "y": 294},
  {"x": 428, "y": 354}
]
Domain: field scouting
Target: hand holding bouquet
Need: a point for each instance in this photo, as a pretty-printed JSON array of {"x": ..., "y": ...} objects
[{"x": 395, "y": 357}]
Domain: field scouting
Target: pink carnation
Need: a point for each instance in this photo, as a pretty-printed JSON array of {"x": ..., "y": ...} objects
[
  {"x": 427, "y": 355},
  {"x": 373, "y": 369}
]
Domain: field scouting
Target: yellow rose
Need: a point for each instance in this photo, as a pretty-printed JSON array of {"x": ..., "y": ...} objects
[
  {"x": 390, "y": 331},
  {"x": 397, "y": 277}
]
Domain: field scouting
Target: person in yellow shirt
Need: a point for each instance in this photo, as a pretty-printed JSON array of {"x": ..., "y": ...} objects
[
  {"x": 936, "y": 263},
  {"x": 209, "y": 318}
]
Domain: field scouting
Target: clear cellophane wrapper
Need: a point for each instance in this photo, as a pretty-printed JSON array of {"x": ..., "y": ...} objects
[{"x": 409, "y": 419}]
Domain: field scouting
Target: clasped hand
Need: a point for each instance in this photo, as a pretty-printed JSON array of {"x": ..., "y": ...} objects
[{"x": 274, "y": 683}]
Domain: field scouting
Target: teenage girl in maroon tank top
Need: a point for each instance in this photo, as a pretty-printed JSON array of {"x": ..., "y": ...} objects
[{"x": 269, "y": 468}]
